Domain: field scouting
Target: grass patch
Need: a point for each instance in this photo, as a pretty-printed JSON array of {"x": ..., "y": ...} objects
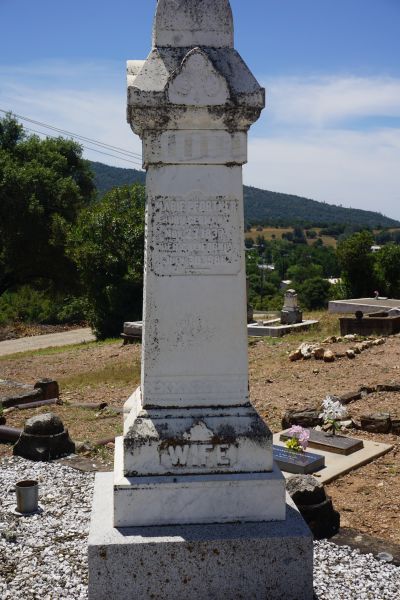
[
  {"x": 118, "y": 374},
  {"x": 58, "y": 349}
]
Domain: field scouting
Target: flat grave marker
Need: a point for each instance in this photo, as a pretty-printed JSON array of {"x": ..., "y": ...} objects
[
  {"x": 338, "y": 444},
  {"x": 298, "y": 463}
]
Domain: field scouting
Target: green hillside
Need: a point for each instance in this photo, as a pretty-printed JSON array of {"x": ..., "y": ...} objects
[{"x": 263, "y": 207}]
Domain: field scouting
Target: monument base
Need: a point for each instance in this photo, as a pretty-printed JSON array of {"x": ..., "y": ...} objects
[
  {"x": 188, "y": 499},
  {"x": 228, "y": 562}
]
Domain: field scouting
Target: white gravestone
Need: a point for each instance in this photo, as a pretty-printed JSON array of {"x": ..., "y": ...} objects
[
  {"x": 291, "y": 314},
  {"x": 192, "y": 102},
  {"x": 195, "y": 457}
]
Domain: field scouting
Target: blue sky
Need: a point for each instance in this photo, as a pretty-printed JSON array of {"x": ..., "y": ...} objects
[{"x": 331, "y": 130}]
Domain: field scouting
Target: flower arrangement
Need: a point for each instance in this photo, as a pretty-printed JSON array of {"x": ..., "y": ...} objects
[
  {"x": 333, "y": 412},
  {"x": 299, "y": 440}
]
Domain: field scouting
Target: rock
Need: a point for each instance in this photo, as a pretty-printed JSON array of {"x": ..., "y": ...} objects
[
  {"x": 44, "y": 438},
  {"x": 330, "y": 340},
  {"x": 350, "y": 354},
  {"x": 378, "y": 342},
  {"x": 367, "y": 389},
  {"x": 356, "y": 349},
  {"x": 388, "y": 387},
  {"x": 81, "y": 447},
  {"x": 348, "y": 424},
  {"x": 319, "y": 353},
  {"x": 45, "y": 424},
  {"x": 350, "y": 397},
  {"x": 49, "y": 388},
  {"x": 329, "y": 357},
  {"x": 350, "y": 337},
  {"x": 376, "y": 423},
  {"x": 306, "y": 350},
  {"x": 315, "y": 506},
  {"x": 305, "y": 490},
  {"x": 395, "y": 426},
  {"x": 306, "y": 417},
  {"x": 296, "y": 355},
  {"x": 366, "y": 345}
]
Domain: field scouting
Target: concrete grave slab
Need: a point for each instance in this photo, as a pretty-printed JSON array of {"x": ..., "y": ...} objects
[
  {"x": 339, "y": 464},
  {"x": 366, "y": 305}
]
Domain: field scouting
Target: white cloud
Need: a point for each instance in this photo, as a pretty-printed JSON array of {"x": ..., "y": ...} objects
[
  {"x": 86, "y": 99},
  {"x": 325, "y": 101},
  {"x": 308, "y": 143},
  {"x": 357, "y": 169}
]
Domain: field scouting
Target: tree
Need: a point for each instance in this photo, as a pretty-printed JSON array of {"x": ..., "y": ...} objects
[
  {"x": 357, "y": 263},
  {"x": 299, "y": 273},
  {"x": 388, "y": 269},
  {"x": 43, "y": 186},
  {"x": 314, "y": 293},
  {"x": 107, "y": 247}
]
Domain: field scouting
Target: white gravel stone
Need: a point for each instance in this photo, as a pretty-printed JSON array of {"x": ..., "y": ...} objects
[{"x": 44, "y": 557}]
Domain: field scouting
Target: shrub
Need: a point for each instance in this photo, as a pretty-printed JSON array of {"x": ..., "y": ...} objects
[{"x": 107, "y": 247}]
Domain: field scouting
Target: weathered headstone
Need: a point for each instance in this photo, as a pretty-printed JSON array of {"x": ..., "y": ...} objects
[
  {"x": 194, "y": 451},
  {"x": 291, "y": 314}
]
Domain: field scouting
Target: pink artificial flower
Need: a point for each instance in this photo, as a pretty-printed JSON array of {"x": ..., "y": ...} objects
[{"x": 303, "y": 435}]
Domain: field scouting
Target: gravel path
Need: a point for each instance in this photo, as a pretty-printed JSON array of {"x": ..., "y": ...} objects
[
  {"x": 49, "y": 340},
  {"x": 44, "y": 557}
]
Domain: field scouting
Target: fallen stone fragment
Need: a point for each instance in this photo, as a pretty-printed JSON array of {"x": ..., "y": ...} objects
[
  {"x": 350, "y": 337},
  {"x": 49, "y": 388},
  {"x": 306, "y": 417},
  {"x": 330, "y": 340},
  {"x": 376, "y": 423},
  {"x": 329, "y": 357},
  {"x": 350, "y": 354},
  {"x": 395, "y": 426},
  {"x": 315, "y": 506},
  {"x": 44, "y": 438},
  {"x": 296, "y": 355},
  {"x": 368, "y": 389},
  {"x": 319, "y": 353},
  {"x": 378, "y": 342},
  {"x": 350, "y": 397},
  {"x": 388, "y": 387}
]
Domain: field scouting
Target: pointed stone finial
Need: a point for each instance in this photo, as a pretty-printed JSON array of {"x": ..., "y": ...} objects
[{"x": 188, "y": 23}]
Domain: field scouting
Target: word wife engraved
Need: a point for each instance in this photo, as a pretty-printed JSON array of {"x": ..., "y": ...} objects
[
  {"x": 198, "y": 455},
  {"x": 195, "y": 236}
]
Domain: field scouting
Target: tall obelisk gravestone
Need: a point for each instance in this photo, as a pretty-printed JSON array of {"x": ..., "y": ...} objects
[{"x": 194, "y": 451}]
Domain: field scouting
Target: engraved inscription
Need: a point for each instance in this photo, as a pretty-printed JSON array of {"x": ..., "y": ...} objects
[
  {"x": 199, "y": 455},
  {"x": 196, "y": 236},
  {"x": 169, "y": 389}
]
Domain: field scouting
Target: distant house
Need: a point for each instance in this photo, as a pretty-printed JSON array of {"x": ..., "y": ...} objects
[
  {"x": 334, "y": 280},
  {"x": 285, "y": 284},
  {"x": 376, "y": 248}
]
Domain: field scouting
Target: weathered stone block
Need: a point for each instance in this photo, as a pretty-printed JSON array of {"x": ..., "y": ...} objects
[
  {"x": 44, "y": 438},
  {"x": 219, "y": 561},
  {"x": 376, "y": 423}
]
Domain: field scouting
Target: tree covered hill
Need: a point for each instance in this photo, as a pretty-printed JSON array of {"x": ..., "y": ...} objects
[{"x": 261, "y": 206}]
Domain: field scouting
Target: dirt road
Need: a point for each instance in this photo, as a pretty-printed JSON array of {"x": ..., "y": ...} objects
[{"x": 75, "y": 336}]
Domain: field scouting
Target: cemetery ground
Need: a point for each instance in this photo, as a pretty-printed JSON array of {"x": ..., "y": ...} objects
[{"x": 367, "y": 498}]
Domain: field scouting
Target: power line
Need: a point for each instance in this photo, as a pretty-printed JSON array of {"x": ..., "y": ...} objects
[
  {"x": 87, "y": 147},
  {"x": 117, "y": 149}
]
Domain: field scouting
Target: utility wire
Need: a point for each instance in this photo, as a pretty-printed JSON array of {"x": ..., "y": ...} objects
[
  {"x": 86, "y": 147},
  {"x": 77, "y": 136}
]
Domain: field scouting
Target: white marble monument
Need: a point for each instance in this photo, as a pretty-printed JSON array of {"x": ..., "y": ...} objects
[
  {"x": 194, "y": 450},
  {"x": 291, "y": 314}
]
